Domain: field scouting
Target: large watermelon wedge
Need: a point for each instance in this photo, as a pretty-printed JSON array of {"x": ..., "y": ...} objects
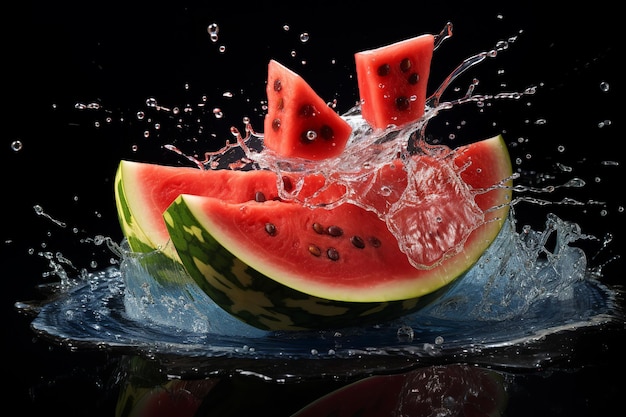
[
  {"x": 143, "y": 191},
  {"x": 279, "y": 265}
]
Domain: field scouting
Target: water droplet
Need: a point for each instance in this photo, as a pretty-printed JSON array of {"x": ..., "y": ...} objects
[
  {"x": 140, "y": 115},
  {"x": 610, "y": 163},
  {"x": 17, "y": 145},
  {"x": 213, "y": 30},
  {"x": 385, "y": 191},
  {"x": 304, "y": 37},
  {"x": 604, "y": 86},
  {"x": 151, "y": 102},
  {"x": 405, "y": 333},
  {"x": 438, "y": 340},
  {"x": 286, "y": 28}
]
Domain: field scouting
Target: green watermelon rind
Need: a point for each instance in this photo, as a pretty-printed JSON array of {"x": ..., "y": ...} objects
[
  {"x": 261, "y": 301},
  {"x": 160, "y": 261}
]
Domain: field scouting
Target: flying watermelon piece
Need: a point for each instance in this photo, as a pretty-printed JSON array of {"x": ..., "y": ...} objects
[
  {"x": 392, "y": 81},
  {"x": 299, "y": 123}
]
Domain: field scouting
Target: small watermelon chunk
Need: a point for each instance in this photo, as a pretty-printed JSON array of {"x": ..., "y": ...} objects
[
  {"x": 392, "y": 81},
  {"x": 298, "y": 122}
]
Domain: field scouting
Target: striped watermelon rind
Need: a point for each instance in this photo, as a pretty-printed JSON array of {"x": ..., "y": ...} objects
[
  {"x": 261, "y": 301},
  {"x": 136, "y": 236}
]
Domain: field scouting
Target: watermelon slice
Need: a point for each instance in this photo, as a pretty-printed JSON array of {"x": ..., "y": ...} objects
[
  {"x": 143, "y": 191},
  {"x": 392, "y": 81},
  {"x": 298, "y": 122},
  {"x": 279, "y": 265}
]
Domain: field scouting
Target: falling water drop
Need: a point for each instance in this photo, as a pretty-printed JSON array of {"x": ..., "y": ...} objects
[{"x": 17, "y": 145}]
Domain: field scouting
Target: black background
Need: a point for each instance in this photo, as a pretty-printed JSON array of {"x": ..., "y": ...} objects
[{"x": 119, "y": 54}]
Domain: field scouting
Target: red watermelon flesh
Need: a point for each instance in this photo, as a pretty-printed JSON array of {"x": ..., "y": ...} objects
[
  {"x": 299, "y": 123},
  {"x": 392, "y": 81}
]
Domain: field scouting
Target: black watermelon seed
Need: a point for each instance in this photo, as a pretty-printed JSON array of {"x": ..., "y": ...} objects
[
  {"x": 402, "y": 103},
  {"x": 326, "y": 132},
  {"x": 334, "y": 231},
  {"x": 270, "y": 228},
  {"x": 276, "y": 124},
  {"x": 357, "y": 241},
  {"x": 259, "y": 197},
  {"x": 278, "y": 85},
  {"x": 332, "y": 254},
  {"x": 307, "y": 110},
  {"x": 319, "y": 229},
  {"x": 383, "y": 70},
  {"x": 314, "y": 250},
  {"x": 413, "y": 78},
  {"x": 405, "y": 65},
  {"x": 374, "y": 241}
]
